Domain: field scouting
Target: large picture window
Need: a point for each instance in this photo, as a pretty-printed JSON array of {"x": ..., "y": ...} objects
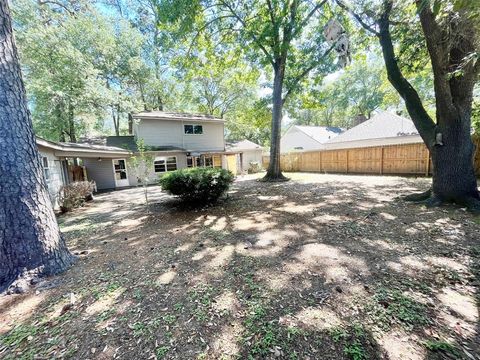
[
  {"x": 164, "y": 164},
  {"x": 193, "y": 129}
]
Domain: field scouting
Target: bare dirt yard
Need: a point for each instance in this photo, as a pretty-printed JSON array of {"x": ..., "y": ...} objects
[{"x": 320, "y": 267}]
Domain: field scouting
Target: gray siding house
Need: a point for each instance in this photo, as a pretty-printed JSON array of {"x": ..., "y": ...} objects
[
  {"x": 54, "y": 159},
  {"x": 174, "y": 140}
]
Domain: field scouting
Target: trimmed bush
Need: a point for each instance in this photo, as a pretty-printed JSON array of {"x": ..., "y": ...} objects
[
  {"x": 197, "y": 185},
  {"x": 75, "y": 194}
]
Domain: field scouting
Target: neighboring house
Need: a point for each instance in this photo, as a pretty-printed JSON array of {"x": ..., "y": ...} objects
[
  {"x": 248, "y": 152},
  {"x": 304, "y": 138},
  {"x": 174, "y": 140},
  {"x": 382, "y": 129}
]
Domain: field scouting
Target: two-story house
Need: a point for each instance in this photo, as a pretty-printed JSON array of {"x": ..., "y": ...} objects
[{"x": 174, "y": 140}]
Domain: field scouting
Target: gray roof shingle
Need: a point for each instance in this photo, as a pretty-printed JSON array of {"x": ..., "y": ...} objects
[
  {"x": 382, "y": 125},
  {"x": 163, "y": 115},
  {"x": 243, "y": 145},
  {"x": 129, "y": 143},
  {"x": 321, "y": 134}
]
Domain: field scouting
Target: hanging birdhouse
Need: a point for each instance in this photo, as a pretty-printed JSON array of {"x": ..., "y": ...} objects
[
  {"x": 335, "y": 35},
  {"x": 333, "y": 30}
]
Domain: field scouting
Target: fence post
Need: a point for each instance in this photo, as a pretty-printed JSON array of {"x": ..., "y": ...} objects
[
  {"x": 347, "y": 159},
  {"x": 381, "y": 160}
]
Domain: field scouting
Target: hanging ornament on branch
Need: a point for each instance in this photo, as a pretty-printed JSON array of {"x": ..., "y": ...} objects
[{"x": 336, "y": 35}]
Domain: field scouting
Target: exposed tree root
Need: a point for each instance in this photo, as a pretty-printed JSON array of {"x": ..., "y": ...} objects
[
  {"x": 270, "y": 178},
  {"x": 24, "y": 279},
  {"x": 419, "y": 196},
  {"x": 472, "y": 204},
  {"x": 431, "y": 200}
]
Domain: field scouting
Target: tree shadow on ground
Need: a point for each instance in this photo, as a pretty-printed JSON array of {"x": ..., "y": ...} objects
[{"x": 319, "y": 267}]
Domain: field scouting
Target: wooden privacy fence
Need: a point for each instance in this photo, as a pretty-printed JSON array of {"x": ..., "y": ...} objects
[{"x": 401, "y": 159}]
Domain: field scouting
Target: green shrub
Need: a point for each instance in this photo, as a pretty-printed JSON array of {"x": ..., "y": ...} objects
[{"x": 197, "y": 185}]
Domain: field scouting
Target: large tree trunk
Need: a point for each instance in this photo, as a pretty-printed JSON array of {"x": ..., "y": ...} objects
[
  {"x": 454, "y": 177},
  {"x": 274, "y": 172},
  {"x": 30, "y": 240},
  {"x": 449, "y": 139}
]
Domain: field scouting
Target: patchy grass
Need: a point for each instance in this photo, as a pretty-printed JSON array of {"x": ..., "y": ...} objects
[
  {"x": 321, "y": 267},
  {"x": 443, "y": 347},
  {"x": 390, "y": 307}
]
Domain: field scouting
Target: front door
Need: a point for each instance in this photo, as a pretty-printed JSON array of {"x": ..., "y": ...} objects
[{"x": 120, "y": 169}]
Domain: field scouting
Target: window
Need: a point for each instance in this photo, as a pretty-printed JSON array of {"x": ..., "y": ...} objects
[
  {"x": 120, "y": 169},
  {"x": 189, "y": 161},
  {"x": 46, "y": 170},
  {"x": 193, "y": 129},
  {"x": 165, "y": 164},
  {"x": 208, "y": 161}
]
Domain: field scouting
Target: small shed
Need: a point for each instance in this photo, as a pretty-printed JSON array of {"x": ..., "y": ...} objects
[{"x": 248, "y": 152}]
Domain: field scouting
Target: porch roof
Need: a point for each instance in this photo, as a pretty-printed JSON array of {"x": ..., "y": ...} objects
[{"x": 66, "y": 149}]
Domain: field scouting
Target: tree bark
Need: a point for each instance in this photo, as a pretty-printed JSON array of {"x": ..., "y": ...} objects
[
  {"x": 454, "y": 177},
  {"x": 30, "y": 240},
  {"x": 71, "y": 124},
  {"x": 449, "y": 139},
  {"x": 116, "y": 119},
  {"x": 274, "y": 172}
]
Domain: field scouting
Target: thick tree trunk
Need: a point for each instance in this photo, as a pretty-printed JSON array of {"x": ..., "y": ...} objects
[
  {"x": 449, "y": 139},
  {"x": 116, "y": 119},
  {"x": 274, "y": 172},
  {"x": 71, "y": 124},
  {"x": 30, "y": 240},
  {"x": 454, "y": 177}
]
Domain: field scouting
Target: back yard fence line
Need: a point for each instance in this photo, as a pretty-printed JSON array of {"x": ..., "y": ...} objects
[{"x": 413, "y": 159}]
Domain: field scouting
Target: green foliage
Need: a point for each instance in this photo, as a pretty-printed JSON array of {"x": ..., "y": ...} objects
[
  {"x": 476, "y": 116},
  {"x": 442, "y": 347},
  {"x": 197, "y": 185},
  {"x": 359, "y": 90},
  {"x": 250, "y": 120},
  {"x": 82, "y": 66},
  {"x": 355, "y": 351},
  {"x": 18, "y": 335},
  {"x": 161, "y": 352},
  {"x": 392, "y": 306}
]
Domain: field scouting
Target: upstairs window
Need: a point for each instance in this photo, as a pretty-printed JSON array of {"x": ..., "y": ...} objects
[
  {"x": 193, "y": 129},
  {"x": 46, "y": 169},
  {"x": 165, "y": 164}
]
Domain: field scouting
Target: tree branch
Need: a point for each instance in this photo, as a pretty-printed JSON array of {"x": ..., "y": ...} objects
[
  {"x": 423, "y": 122},
  {"x": 254, "y": 37},
  {"x": 305, "y": 73},
  {"x": 307, "y": 18},
  {"x": 357, "y": 17},
  {"x": 276, "y": 38},
  {"x": 435, "y": 40}
]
